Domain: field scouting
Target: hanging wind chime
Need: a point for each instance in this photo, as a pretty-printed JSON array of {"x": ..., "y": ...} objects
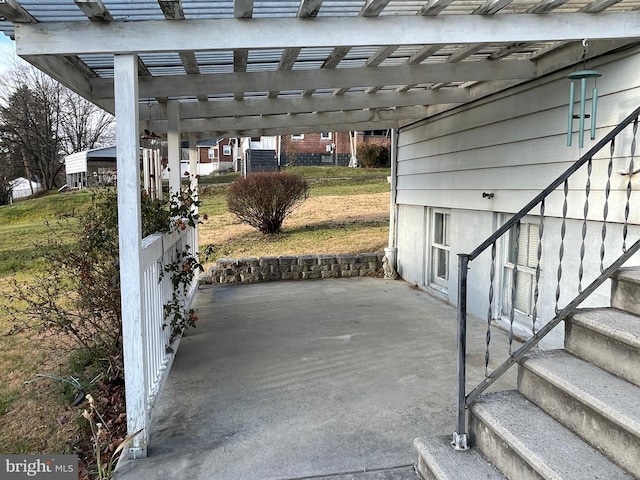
[{"x": 583, "y": 76}]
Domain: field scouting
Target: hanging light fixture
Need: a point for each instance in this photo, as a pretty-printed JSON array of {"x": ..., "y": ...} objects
[{"x": 583, "y": 76}]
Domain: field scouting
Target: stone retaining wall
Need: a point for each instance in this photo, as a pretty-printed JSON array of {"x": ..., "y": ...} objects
[{"x": 267, "y": 269}]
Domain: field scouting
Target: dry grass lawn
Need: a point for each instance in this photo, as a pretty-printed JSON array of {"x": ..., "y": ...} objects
[{"x": 321, "y": 225}]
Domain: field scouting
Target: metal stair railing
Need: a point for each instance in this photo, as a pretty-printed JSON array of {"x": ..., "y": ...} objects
[{"x": 464, "y": 399}]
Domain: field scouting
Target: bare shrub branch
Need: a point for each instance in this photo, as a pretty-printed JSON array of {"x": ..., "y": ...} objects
[{"x": 265, "y": 199}]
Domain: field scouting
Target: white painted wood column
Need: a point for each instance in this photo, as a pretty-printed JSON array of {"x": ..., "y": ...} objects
[
  {"x": 193, "y": 171},
  {"x": 193, "y": 160},
  {"x": 130, "y": 236},
  {"x": 173, "y": 144}
]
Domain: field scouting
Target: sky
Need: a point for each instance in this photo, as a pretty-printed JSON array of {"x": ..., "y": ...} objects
[{"x": 7, "y": 53}]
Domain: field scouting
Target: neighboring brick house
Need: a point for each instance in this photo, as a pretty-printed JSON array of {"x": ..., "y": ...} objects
[{"x": 327, "y": 148}]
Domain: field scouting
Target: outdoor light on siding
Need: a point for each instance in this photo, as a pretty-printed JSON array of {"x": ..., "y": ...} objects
[{"x": 583, "y": 76}]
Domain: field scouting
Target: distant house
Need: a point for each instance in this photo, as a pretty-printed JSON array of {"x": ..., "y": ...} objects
[
  {"x": 21, "y": 188},
  {"x": 216, "y": 156},
  {"x": 96, "y": 166}
]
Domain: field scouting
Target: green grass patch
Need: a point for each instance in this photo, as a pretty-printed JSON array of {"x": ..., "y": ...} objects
[
  {"x": 17, "y": 250},
  {"x": 38, "y": 210},
  {"x": 309, "y": 173},
  {"x": 353, "y": 186},
  {"x": 218, "y": 179},
  {"x": 214, "y": 200},
  {"x": 337, "y": 172},
  {"x": 6, "y": 400}
]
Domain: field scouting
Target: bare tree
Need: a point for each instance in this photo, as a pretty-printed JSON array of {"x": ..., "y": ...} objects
[
  {"x": 84, "y": 125},
  {"x": 41, "y": 121}
]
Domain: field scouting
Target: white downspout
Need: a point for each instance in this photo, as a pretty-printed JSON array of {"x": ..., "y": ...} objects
[
  {"x": 173, "y": 143},
  {"x": 193, "y": 170},
  {"x": 391, "y": 250}
]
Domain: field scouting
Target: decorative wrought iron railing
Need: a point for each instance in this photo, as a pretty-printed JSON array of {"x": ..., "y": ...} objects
[{"x": 608, "y": 220}]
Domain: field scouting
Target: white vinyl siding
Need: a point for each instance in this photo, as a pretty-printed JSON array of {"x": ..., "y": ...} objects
[{"x": 514, "y": 145}]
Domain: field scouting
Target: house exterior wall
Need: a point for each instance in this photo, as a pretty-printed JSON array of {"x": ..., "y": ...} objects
[
  {"x": 311, "y": 148},
  {"x": 220, "y": 162},
  {"x": 76, "y": 163},
  {"x": 511, "y": 145},
  {"x": 313, "y": 143}
]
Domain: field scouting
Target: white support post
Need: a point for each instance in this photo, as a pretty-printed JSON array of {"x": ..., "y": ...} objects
[
  {"x": 193, "y": 170},
  {"x": 353, "y": 137},
  {"x": 157, "y": 168},
  {"x": 130, "y": 233},
  {"x": 193, "y": 160},
  {"x": 146, "y": 170},
  {"x": 173, "y": 144}
]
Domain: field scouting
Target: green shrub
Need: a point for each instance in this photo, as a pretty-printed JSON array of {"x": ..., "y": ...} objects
[
  {"x": 265, "y": 199},
  {"x": 371, "y": 155}
]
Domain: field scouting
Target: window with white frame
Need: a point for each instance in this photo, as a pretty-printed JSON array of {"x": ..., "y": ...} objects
[
  {"x": 297, "y": 136},
  {"x": 226, "y": 149},
  {"x": 213, "y": 153},
  {"x": 440, "y": 248},
  {"x": 325, "y": 136},
  {"x": 522, "y": 258}
]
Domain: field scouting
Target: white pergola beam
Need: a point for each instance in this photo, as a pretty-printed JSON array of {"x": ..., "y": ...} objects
[
  {"x": 171, "y": 9},
  {"x": 68, "y": 73},
  {"x": 171, "y": 85},
  {"x": 491, "y": 7},
  {"x": 94, "y": 10},
  {"x": 380, "y": 56},
  {"x": 345, "y": 127},
  {"x": 293, "y": 122},
  {"x": 434, "y": 7},
  {"x": 309, "y": 8},
  {"x": 14, "y": 12},
  {"x": 243, "y": 8},
  {"x": 274, "y": 33},
  {"x": 373, "y": 8},
  {"x": 266, "y": 106}
]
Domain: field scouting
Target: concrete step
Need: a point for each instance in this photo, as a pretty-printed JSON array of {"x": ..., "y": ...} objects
[
  {"x": 437, "y": 460},
  {"x": 598, "y": 406},
  {"x": 526, "y": 443},
  {"x": 625, "y": 290},
  {"x": 607, "y": 337}
]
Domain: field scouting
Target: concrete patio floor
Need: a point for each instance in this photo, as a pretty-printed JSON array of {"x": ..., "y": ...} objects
[{"x": 328, "y": 379}]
